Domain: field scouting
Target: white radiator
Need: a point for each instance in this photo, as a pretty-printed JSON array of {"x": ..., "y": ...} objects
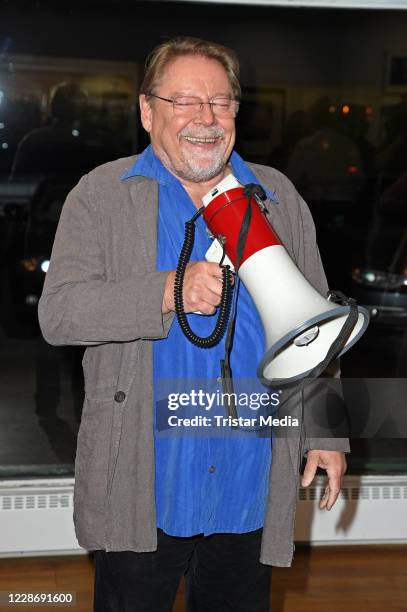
[
  {"x": 36, "y": 515},
  {"x": 370, "y": 509}
]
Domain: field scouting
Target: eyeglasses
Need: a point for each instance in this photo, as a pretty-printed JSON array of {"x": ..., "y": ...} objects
[{"x": 189, "y": 106}]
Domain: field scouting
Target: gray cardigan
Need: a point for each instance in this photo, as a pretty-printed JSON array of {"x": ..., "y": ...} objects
[{"x": 102, "y": 290}]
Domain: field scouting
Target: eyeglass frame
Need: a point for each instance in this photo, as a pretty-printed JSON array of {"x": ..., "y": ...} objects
[{"x": 211, "y": 104}]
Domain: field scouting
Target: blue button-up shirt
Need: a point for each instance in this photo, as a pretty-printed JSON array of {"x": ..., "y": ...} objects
[{"x": 204, "y": 484}]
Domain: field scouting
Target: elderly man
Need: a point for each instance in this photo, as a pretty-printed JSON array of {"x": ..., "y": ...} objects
[{"x": 219, "y": 510}]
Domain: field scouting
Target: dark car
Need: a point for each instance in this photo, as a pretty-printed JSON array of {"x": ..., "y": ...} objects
[
  {"x": 384, "y": 293},
  {"x": 381, "y": 283}
]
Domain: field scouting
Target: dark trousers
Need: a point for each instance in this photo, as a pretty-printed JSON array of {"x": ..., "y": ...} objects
[{"x": 222, "y": 574}]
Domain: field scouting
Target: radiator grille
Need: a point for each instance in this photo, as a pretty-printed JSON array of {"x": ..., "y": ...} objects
[
  {"x": 373, "y": 492},
  {"x": 48, "y": 500},
  {"x": 40, "y": 501}
]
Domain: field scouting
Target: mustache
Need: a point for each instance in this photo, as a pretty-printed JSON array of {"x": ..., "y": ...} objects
[{"x": 210, "y": 132}]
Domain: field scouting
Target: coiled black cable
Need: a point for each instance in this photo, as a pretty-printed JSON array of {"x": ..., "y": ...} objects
[{"x": 225, "y": 302}]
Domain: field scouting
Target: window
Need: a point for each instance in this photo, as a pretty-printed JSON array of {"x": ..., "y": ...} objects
[{"x": 324, "y": 101}]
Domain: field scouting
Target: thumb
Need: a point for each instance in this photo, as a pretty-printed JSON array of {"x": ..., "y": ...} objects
[{"x": 309, "y": 471}]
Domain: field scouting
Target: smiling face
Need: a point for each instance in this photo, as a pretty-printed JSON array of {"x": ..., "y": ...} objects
[{"x": 193, "y": 148}]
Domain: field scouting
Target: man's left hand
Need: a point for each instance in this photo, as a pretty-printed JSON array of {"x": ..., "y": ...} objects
[{"x": 334, "y": 463}]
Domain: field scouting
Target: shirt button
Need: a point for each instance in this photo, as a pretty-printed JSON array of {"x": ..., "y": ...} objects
[
  {"x": 212, "y": 469},
  {"x": 119, "y": 396}
]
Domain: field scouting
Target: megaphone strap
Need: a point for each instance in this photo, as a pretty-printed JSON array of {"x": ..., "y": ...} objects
[
  {"x": 334, "y": 350},
  {"x": 243, "y": 232}
]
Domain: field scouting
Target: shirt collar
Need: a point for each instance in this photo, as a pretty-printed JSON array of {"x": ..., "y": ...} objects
[{"x": 149, "y": 165}]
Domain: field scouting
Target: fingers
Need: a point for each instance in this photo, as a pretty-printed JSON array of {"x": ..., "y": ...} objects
[
  {"x": 334, "y": 463},
  {"x": 324, "y": 498},
  {"x": 330, "y": 496},
  {"x": 333, "y": 488},
  {"x": 201, "y": 291},
  {"x": 201, "y": 299},
  {"x": 333, "y": 496},
  {"x": 214, "y": 285},
  {"x": 310, "y": 470},
  {"x": 202, "y": 287}
]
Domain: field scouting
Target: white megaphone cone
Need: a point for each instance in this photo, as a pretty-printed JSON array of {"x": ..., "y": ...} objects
[{"x": 300, "y": 325}]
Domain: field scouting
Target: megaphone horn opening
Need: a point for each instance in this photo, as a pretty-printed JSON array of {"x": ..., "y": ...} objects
[{"x": 296, "y": 354}]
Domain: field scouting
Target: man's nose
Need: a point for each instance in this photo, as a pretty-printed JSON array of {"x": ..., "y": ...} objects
[{"x": 206, "y": 115}]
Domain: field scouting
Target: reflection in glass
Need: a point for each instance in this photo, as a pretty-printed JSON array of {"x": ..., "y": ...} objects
[
  {"x": 57, "y": 122},
  {"x": 331, "y": 115}
]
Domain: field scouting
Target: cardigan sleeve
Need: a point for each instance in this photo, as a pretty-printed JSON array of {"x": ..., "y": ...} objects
[{"x": 78, "y": 304}]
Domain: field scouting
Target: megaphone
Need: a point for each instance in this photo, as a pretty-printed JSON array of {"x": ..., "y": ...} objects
[{"x": 300, "y": 324}]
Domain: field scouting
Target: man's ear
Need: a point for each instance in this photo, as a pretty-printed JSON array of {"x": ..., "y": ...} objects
[{"x": 145, "y": 113}]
